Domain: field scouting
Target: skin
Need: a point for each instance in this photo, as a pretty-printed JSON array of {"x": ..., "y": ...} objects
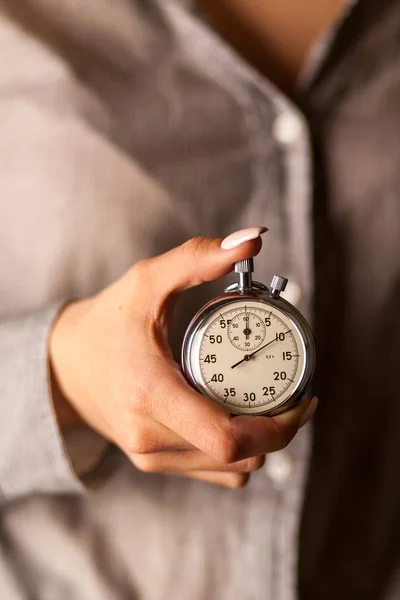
[
  {"x": 113, "y": 369},
  {"x": 130, "y": 389},
  {"x": 274, "y": 35}
]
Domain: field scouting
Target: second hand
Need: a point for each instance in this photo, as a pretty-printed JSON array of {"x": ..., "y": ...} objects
[{"x": 248, "y": 356}]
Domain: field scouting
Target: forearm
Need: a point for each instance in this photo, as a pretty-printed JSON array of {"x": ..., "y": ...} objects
[
  {"x": 32, "y": 453},
  {"x": 44, "y": 444}
]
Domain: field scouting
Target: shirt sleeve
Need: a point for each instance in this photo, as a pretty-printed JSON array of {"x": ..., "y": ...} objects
[{"x": 34, "y": 455}]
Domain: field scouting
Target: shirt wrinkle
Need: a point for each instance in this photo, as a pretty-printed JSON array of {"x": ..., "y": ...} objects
[{"x": 91, "y": 180}]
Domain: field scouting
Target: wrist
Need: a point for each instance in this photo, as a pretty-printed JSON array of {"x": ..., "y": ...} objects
[
  {"x": 59, "y": 349},
  {"x": 67, "y": 416}
]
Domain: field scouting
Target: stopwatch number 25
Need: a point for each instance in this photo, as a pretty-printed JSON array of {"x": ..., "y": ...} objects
[{"x": 249, "y": 396}]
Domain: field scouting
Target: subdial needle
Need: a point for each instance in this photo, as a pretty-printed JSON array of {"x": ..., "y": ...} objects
[
  {"x": 247, "y": 357},
  {"x": 247, "y": 332}
]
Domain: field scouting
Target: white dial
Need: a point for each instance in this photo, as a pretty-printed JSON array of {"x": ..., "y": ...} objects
[{"x": 248, "y": 356}]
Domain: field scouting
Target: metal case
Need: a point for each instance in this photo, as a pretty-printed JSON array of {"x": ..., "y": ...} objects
[{"x": 260, "y": 293}]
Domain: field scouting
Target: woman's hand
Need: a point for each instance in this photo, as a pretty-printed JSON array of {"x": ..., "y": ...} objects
[{"x": 112, "y": 362}]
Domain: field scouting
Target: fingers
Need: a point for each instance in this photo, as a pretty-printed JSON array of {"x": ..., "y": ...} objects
[
  {"x": 212, "y": 430},
  {"x": 229, "y": 480},
  {"x": 199, "y": 260},
  {"x": 147, "y": 437},
  {"x": 309, "y": 413},
  {"x": 192, "y": 460}
]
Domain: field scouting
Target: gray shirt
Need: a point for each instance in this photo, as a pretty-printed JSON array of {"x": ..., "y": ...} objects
[{"x": 125, "y": 131}]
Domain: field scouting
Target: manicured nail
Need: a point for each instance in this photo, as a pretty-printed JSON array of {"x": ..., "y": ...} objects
[
  {"x": 240, "y": 237},
  {"x": 309, "y": 413}
]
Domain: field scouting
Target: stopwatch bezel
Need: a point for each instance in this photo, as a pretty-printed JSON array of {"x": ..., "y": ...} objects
[{"x": 268, "y": 299}]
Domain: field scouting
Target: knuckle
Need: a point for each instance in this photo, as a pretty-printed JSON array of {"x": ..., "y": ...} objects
[
  {"x": 140, "y": 270},
  {"x": 140, "y": 442},
  {"x": 226, "y": 446},
  {"x": 194, "y": 250},
  {"x": 146, "y": 463},
  {"x": 195, "y": 246}
]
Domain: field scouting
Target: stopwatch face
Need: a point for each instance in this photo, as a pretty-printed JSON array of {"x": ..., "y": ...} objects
[{"x": 248, "y": 356}]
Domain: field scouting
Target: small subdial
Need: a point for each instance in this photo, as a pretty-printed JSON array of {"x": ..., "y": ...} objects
[{"x": 246, "y": 331}]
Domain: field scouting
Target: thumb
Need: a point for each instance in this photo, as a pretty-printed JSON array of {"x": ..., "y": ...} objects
[{"x": 202, "y": 259}]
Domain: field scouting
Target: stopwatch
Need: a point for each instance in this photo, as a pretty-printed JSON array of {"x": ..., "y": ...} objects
[{"x": 249, "y": 349}]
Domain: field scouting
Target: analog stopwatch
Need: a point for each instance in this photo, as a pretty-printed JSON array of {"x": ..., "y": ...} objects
[{"x": 249, "y": 349}]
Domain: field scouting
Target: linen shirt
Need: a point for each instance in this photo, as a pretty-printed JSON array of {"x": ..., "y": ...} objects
[{"x": 126, "y": 130}]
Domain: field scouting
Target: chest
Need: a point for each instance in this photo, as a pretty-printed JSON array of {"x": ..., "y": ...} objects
[
  {"x": 113, "y": 151},
  {"x": 275, "y": 36}
]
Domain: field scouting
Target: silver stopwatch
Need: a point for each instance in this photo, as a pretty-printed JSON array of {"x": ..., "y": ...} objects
[{"x": 249, "y": 349}]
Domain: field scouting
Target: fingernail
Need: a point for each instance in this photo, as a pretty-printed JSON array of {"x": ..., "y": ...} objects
[
  {"x": 309, "y": 413},
  {"x": 240, "y": 237}
]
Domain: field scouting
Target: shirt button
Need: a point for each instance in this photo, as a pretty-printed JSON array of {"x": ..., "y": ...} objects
[
  {"x": 279, "y": 467},
  {"x": 287, "y": 128}
]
